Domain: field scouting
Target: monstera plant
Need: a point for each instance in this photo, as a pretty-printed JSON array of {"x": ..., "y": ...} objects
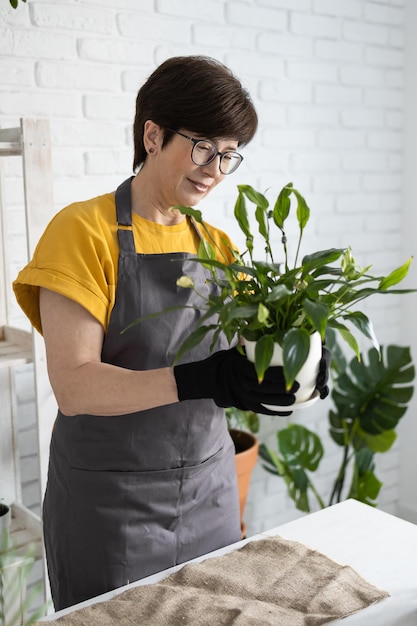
[{"x": 370, "y": 396}]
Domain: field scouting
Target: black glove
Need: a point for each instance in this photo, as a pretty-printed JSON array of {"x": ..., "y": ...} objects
[
  {"x": 230, "y": 380},
  {"x": 323, "y": 375}
]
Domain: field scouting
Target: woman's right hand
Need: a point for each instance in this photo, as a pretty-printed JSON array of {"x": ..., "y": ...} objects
[{"x": 231, "y": 380}]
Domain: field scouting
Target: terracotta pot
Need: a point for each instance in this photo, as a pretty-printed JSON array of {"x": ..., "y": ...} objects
[
  {"x": 307, "y": 376},
  {"x": 246, "y": 446}
]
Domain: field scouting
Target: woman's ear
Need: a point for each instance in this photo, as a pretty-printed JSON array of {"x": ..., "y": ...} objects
[{"x": 152, "y": 137}]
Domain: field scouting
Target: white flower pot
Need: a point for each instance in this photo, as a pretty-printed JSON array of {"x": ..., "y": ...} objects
[{"x": 307, "y": 376}]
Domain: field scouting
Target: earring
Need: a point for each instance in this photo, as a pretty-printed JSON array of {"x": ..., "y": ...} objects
[{"x": 150, "y": 150}]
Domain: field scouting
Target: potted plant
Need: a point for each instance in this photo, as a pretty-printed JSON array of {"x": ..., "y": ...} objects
[
  {"x": 274, "y": 304},
  {"x": 243, "y": 426}
]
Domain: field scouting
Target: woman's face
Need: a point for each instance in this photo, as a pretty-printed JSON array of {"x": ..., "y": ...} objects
[{"x": 182, "y": 181}]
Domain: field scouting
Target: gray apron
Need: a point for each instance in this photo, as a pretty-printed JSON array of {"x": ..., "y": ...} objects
[{"x": 134, "y": 494}]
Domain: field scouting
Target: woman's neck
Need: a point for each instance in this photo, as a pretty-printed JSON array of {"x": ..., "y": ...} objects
[{"x": 147, "y": 203}]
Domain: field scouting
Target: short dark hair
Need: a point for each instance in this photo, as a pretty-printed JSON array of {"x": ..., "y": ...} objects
[{"x": 197, "y": 93}]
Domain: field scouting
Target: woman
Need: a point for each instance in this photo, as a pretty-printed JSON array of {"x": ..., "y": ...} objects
[{"x": 141, "y": 474}]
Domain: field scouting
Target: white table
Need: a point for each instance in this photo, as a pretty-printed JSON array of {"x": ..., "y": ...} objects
[{"x": 380, "y": 547}]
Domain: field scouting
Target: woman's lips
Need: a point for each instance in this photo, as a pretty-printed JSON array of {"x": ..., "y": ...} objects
[{"x": 200, "y": 187}]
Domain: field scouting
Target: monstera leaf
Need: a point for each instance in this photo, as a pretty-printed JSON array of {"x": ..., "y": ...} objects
[
  {"x": 370, "y": 397},
  {"x": 374, "y": 393},
  {"x": 300, "y": 451},
  {"x": 365, "y": 486}
]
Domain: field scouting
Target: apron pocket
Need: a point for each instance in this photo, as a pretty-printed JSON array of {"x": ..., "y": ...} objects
[
  {"x": 127, "y": 525},
  {"x": 120, "y": 527}
]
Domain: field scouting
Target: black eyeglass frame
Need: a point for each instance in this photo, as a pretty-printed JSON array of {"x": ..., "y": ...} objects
[{"x": 195, "y": 142}]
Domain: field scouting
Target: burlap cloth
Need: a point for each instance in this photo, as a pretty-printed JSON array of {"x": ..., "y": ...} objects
[{"x": 269, "y": 581}]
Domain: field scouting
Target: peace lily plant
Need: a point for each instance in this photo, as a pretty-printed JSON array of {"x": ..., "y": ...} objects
[{"x": 263, "y": 300}]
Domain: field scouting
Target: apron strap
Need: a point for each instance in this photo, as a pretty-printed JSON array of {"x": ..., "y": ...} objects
[{"x": 124, "y": 217}]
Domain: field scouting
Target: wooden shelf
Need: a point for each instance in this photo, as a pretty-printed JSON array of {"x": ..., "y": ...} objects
[
  {"x": 26, "y": 530},
  {"x": 31, "y": 141},
  {"x": 10, "y": 142},
  {"x": 15, "y": 346}
]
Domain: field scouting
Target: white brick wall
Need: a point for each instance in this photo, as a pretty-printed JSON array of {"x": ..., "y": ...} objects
[{"x": 327, "y": 80}]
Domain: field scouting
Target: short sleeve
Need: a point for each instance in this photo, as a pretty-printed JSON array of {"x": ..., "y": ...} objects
[{"x": 76, "y": 257}]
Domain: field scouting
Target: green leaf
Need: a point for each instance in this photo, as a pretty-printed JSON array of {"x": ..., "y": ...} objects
[
  {"x": 301, "y": 451},
  {"x": 240, "y": 311},
  {"x": 364, "y": 325},
  {"x": 296, "y": 480},
  {"x": 194, "y": 213},
  {"x": 282, "y": 206},
  {"x": 364, "y": 460},
  {"x": 337, "y": 428},
  {"x": 193, "y": 340},
  {"x": 263, "y": 313},
  {"x": 300, "y": 447},
  {"x": 317, "y": 313},
  {"x": 303, "y": 211},
  {"x": 382, "y": 442},
  {"x": 274, "y": 463},
  {"x": 277, "y": 293},
  {"x": 252, "y": 421},
  {"x": 262, "y": 220},
  {"x": 238, "y": 419},
  {"x": 297, "y": 490},
  {"x": 376, "y": 394},
  {"x": 317, "y": 259},
  {"x": 339, "y": 361},
  {"x": 241, "y": 216},
  {"x": 206, "y": 250},
  {"x": 263, "y": 353},
  {"x": 264, "y": 268},
  {"x": 367, "y": 488},
  {"x": 254, "y": 196},
  {"x": 365, "y": 485},
  {"x": 295, "y": 349},
  {"x": 396, "y": 276},
  {"x": 346, "y": 335}
]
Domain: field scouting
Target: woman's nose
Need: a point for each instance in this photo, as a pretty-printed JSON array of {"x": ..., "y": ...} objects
[{"x": 213, "y": 168}]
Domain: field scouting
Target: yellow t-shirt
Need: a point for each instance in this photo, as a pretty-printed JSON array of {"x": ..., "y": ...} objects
[{"x": 77, "y": 256}]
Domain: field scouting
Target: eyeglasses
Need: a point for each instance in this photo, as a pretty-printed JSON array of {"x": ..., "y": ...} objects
[{"x": 204, "y": 152}]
